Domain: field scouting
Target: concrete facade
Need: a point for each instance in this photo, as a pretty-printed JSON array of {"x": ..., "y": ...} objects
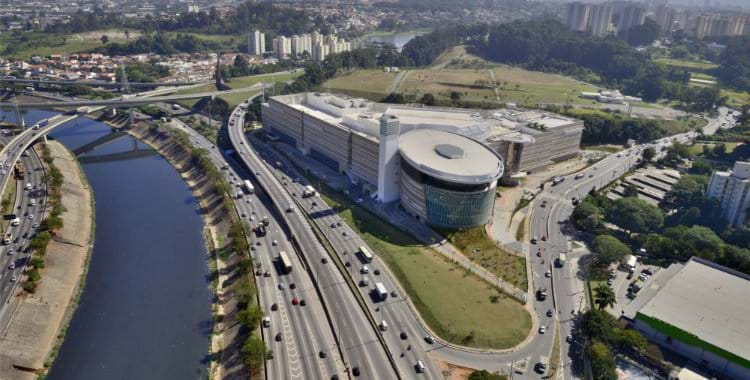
[{"x": 730, "y": 188}]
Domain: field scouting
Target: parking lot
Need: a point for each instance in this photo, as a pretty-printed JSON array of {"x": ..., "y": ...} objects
[{"x": 634, "y": 289}]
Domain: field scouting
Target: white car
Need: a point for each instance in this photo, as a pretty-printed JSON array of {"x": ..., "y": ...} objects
[
  {"x": 13, "y": 279},
  {"x": 31, "y": 216},
  {"x": 275, "y": 243},
  {"x": 542, "y": 329},
  {"x": 548, "y": 274}
]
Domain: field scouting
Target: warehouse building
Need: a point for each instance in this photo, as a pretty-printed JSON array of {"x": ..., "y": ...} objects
[
  {"x": 362, "y": 139},
  {"x": 701, "y": 313}
]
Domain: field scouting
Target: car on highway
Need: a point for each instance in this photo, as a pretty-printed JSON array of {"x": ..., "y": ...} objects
[
  {"x": 403, "y": 335},
  {"x": 429, "y": 339},
  {"x": 12, "y": 266},
  {"x": 324, "y": 260},
  {"x": 548, "y": 274},
  {"x": 569, "y": 338},
  {"x": 14, "y": 278},
  {"x": 356, "y": 371},
  {"x": 544, "y": 237},
  {"x": 292, "y": 286},
  {"x": 550, "y": 313},
  {"x": 542, "y": 329},
  {"x": 302, "y": 302},
  {"x": 533, "y": 240},
  {"x": 539, "y": 253},
  {"x": 295, "y": 301},
  {"x": 278, "y": 337},
  {"x": 274, "y": 307},
  {"x": 540, "y": 367},
  {"x": 323, "y": 354},
  {"x": 281, "y": 286},
  {"x": 365, "y": 269}
]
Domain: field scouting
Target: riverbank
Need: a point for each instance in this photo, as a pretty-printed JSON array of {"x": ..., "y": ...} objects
[
  {"x": 40, "y": 320},
  {"x": 228, "y": 336}
]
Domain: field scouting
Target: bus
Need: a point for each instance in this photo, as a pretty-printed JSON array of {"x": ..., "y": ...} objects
[
  {"x": 249, "y": 187},
  {"x": 286, "y": 264},
  {"x": 381, "y": 291},
  {"x": 365, "y": 253}
]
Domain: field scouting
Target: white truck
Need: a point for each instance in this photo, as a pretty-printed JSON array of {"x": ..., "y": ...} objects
[
  {"x": 309, "y": 191},
  {"x": 15, "y": 222},
  {"x": 249, "y": 187},
  {"x": 629, "y": 263},
  {"x": 381, "y": 291}
]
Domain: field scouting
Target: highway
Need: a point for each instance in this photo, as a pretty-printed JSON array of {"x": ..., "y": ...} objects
[
  {"x": 129, "y": 101},
  {"x": 395, "y": 310},
  {"x": 14, "y": 256},
  {"x": 551, "y": 211},
  {"x": 362, "y": 350},
  {"x": 305, "y": 330}
]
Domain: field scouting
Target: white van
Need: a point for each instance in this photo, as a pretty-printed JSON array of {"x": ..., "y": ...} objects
[
  {"x": 384, "y": 325},
  {"x": 420, "y": 366},
  {"x": 365, "y": 269},
  {"x": 266, "y": 322},
  {"x": 28, "y": 186}
]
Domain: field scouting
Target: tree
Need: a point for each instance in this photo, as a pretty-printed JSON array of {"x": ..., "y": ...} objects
[
  {"x": 635, "y": 215},
  {"x": 587, "y": 217},
  {"x": 254, "y": 354},
  {"x": 609, "y": 250},
  {"x": 631, "y": 190},
  {"x": 602, "y": 361},
  {"x": 649, "y": 154},
  {"x": 604, "y": 296},
  {"x": 688, "y": 191},
  {"x": 105, "y": 39},
  {"x": 428, "y": 99},
  {"x": 486, "y": 375},
  {"x": 455, "y": 97},
  {"x": 250, "y": 317}
]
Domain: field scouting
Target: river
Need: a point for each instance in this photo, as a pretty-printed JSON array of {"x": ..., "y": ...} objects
[{"x": 145, "y": 312}]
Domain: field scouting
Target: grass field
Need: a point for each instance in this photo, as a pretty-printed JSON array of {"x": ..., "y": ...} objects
[
  {"x": 697, "y": 148},
  {"x": 472, "y": 84},
  {"x": 457, "y": 305},
  {"x": 369, "y": 84},
  {"x": 688, "y": 65},
  {"x": 682, "y": 125},
  {"x": 235, "y": 98},
  {"x": 475, "y": 245},
  {"x": 42, "y": 44}
]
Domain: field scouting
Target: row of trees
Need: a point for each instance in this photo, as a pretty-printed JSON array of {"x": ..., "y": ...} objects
[
  {"x": 734, "y": 70},
  {"x": 48, "y": 226}
]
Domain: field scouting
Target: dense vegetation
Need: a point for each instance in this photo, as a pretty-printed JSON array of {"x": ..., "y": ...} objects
[
  {"x": 605, "y": 339},
  {"x": 693, "y": 227},
  {"x": 246, "y": 17},
  {"x": 160, "y": 43},
  {"x": 547, "y": 45},
  {"x": 735, "y": 64}
]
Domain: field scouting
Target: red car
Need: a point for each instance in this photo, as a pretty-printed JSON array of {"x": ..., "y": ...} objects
[
  {"x": 538, "y": 253},
  {"x": 295, "y": 301},
  {"x": 544, "y": 238}
]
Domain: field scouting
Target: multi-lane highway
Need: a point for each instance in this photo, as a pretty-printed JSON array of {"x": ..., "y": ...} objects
[
  {"x": 29, "y": 207},
  {"x": 363, "y": 352},
  {"x": 307, "y": 349}
]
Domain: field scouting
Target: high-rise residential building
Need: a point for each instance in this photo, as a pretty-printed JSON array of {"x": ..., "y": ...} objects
[
  {"x": 301, "y": 44},
  {"x": 731, "y": 188},
  {"x": 320, "y": 51},
  {"x": 736, "y": 25},
  {"x": 256, "y": 43},
  {"x": 282, "y": 47},
  {"x": 600, "y": 19},
  {"x": 578, "y": 16},
  {"x": 664, "y": 17},
  {"x": 631, "y": 15}
]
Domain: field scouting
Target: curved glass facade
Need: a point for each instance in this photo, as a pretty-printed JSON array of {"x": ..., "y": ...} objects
[{"x": 446, "y": 204}]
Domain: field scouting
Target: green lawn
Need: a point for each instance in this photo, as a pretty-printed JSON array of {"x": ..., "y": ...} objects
[
  {"x": 684, "y": 64},
  {"x": 697, "y": 148},
  {"x": 43, "y": 44},
  {"x": 457, "y": 305},
  {"x": 369, "y": 84},
  {"x": 475, "y": 245},
  {"x": 682, "y": 125}
]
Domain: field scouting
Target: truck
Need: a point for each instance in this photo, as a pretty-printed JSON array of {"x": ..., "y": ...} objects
[
  {"x": 15, "y": 222},
  {"x": 309, "y": 191},
  {"x": 40, "y": 124},
  {"x": 260, "y": 231},
  {"x": 238, "y": 195},
  {"x": 561, "y": 259},
  {"x": 249, "y": 186},
  {"x": 8, "y": 238},
  {"x": 629, "y": 263},
  {"x": 82, "y": 110},
  {"x": 381, "y": 291}
]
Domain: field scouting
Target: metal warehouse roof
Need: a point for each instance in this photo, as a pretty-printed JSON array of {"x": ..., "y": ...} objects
[{"x": 709, "y": 301}]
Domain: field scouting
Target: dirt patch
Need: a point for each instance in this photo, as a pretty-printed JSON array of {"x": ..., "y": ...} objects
[
  {"x": 453, "y": 372},
  {"x": 41, "y": 317}
]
